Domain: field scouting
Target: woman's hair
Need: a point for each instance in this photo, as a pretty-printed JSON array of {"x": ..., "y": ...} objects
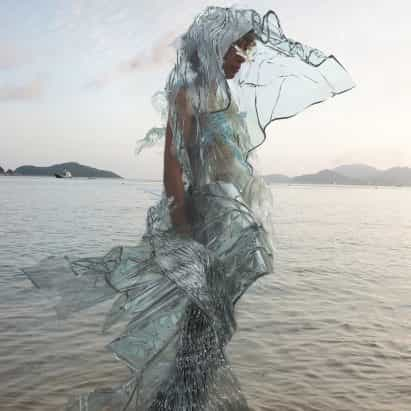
[
  {"x": 249, "y": 39},
  {"x": 194, "y": 61},
  {"x": 244, "y": 42},
  {"x": 199, "y": 65}
]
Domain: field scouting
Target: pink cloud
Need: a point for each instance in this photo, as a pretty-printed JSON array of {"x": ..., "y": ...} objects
[
  {"x": 12, "y": 57},
  {"x": 28, "y": 91},
  {"x": 160, "y": 54}
]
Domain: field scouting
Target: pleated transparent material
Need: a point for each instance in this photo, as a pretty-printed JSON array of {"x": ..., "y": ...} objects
[{"x": 178, "y": 292}]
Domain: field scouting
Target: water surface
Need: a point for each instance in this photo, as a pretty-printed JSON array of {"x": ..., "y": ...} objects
[{"x": 329, "y": 330}]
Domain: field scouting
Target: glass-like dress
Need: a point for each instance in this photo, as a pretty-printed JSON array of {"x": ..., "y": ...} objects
[{"x": 177, "y": 293}]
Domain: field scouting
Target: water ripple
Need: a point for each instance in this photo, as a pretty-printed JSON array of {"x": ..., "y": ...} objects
[{"x": 330, "y": 330}]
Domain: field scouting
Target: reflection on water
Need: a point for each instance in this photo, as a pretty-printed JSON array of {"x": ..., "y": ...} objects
[{"x": 330, "y": 330}]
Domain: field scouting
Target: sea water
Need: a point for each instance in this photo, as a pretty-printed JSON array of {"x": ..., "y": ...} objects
[{"x": 330, "y": 329}]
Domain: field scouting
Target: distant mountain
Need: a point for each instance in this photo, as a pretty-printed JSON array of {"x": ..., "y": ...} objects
[
  {"x": 396, "y": 176},
  {"x": 358, "y": 171},
  {"x": 76, "y": 169},
  {"x": 350, "y": 174},
  {"x": 325, "y": 177},
  {"x": 1, "y": 170},
  {"x": 276, "y": 178}
]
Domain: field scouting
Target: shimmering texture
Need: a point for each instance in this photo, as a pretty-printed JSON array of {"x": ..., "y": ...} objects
[
  {"x": 178, "y": 292},
  {"x": 282, "y": 78}
]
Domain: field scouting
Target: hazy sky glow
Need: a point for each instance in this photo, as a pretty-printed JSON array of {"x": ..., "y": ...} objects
[{"x": 77, "y": 76}]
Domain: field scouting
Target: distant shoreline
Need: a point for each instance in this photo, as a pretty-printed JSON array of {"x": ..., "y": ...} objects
[
  {"x": 74, "y": 177},
  {"x": 284, "y": 184},
  {"x": 73, "y": 168},
  {"x": 350, "y": 174}
]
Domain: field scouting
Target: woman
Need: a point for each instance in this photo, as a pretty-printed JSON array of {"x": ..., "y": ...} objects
[{"x": 208, "y": 239}]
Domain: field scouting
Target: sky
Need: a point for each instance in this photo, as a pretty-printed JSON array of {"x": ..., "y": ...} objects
[{"x": 77, "y": 76}]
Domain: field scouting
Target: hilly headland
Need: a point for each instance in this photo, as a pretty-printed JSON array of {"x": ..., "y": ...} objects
[
  {"x": 349, "y": 174},
  {"x": 75, "y": 169}
]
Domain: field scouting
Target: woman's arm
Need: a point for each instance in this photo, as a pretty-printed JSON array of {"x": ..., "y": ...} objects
[{"x": 173, "y": 174}]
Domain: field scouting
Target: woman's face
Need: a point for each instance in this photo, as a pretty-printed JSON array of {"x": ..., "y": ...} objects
[{"x": 234, "y": 56}]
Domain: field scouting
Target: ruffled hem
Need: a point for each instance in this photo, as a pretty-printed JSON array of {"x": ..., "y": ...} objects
[{"x": 178, "y": 296}]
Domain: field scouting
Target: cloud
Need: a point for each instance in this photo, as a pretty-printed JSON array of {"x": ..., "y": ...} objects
[
  {"x": 101, "y": 81},
  {"x": 28, "y": 91},
  {"x": 160, "y": 54},
  {"x": 12, "y": 57}
]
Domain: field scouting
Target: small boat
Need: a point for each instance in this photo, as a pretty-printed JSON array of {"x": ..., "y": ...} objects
[{"x": 64, "y": 174}]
